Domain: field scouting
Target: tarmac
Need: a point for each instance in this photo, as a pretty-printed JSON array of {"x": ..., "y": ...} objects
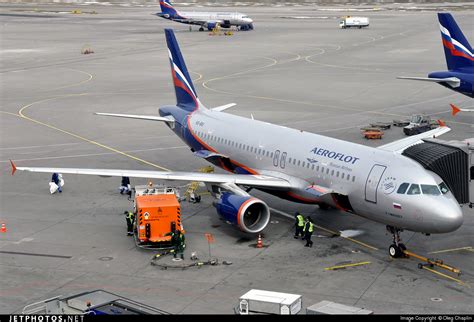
[{"x": 302, "y": 73}]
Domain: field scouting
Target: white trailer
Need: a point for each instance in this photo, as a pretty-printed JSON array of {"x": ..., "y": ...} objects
[
  {"x": 357, "y": 22},
  {"x": 266, "y": 302}
]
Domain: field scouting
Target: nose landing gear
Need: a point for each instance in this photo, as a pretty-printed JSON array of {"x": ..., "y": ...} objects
[{"x": 397, "y": 249}]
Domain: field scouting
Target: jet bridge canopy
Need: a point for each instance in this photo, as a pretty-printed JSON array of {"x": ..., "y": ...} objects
[{"x": 449, "y": 160}]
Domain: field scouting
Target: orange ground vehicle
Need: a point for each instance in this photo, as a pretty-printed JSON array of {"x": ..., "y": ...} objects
[
  {"x": 158, "y": 212},
  {"x": 372, "y": 134}
]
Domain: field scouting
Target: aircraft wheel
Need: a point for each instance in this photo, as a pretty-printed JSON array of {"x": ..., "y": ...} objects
[
  {"x": 394, "y": 251},
  {"x": 201, "y": 29}
]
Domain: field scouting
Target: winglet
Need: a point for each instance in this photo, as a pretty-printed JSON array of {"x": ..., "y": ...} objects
[
  {"x": 455, "y": 109},
  {"x": 441, "y": 123},
  {"x": 13, "y": 167}
]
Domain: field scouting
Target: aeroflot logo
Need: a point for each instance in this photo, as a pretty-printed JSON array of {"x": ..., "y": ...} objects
[{"x": 335, "y": 155}]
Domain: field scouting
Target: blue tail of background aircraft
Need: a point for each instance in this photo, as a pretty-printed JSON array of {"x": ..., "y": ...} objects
[
  {"x": 457, "y": 49},
  {"x": 167, "y": 8},
  {"x": 186, "y": 96}
]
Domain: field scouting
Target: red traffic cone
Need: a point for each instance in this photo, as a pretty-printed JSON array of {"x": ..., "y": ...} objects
[
  {"x": 259, "y": 241},
  {"x": 4, "y": 228}
]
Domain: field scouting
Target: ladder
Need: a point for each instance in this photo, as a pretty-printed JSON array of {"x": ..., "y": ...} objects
[{"x": 193, "y": 186}]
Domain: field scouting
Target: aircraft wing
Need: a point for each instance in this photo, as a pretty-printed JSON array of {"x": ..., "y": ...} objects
[
  {"x": 240, "y": 179},
  {"x": 400, "y": 145},
  {"x": 451, "y": 81},
  {"x": 223, "y": 107}
]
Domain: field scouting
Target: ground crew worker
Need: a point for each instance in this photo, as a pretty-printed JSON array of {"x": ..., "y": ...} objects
[
  {"x": 177, "y": 241},
  {"x": 55, "y": 178},
  {"x": 125, "y": 185},
  {"x": 299, "y": 225},
  {"x": 129, "y": 217},
  {"x": 308, "y": 231}
]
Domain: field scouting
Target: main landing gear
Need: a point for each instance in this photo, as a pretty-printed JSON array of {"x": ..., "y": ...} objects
[
  {"x": 397, "y": 249},
  {"x": 201, "y": 29}
]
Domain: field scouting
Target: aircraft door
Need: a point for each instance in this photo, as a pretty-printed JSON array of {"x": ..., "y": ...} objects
[{"x": 373, "y": 181}]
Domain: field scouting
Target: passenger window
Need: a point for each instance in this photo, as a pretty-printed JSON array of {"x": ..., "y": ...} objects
[
  {"x": 348, "y": 177},
  {"x": 414, "y": 190},
  {"x": 327, "y": 171},
  {"x": 312, "y": 167},
  {"x": 337, "y": 174},
  {"x": 317, "y": 168},
  {"x": 299, "y": 162},
  {"x": 289, "y": 160},
  {"x": 342, "y": 175},
  {"x": 403, "y": 188},
  {"x": 332, "y": 172},
  {"x": 353, "y": 178}
]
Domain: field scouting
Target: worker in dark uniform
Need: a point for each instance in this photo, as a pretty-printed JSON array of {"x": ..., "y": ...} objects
[
  {"x": 129, "y": 217},
  {"x": 177, "y": 241},
  {"x": 125, "y": 185},
  {"x": 299, "y": 225},
  {"x": 55, "y": 178},
  {"x": 308, "y": 232}
]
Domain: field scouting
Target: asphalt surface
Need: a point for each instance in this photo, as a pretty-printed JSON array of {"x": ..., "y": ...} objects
[{"x": 302, "y": 73}]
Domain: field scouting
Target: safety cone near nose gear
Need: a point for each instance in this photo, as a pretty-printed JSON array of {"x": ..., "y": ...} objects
[
  {"x": 259, "y": 241},
  {"x": 4, "y": 228}
]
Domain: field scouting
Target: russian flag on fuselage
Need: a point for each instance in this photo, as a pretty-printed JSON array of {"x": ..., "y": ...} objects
[
  {"x": 186, "y": 96},
  {"x": 457, "y": 49}
]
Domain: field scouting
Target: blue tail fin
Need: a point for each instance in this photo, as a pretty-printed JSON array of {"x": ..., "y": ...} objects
[
  {"x": 186, "y": 96},
  {"x": 167, "y": 8},
  {"x": 457, "y": 50}
]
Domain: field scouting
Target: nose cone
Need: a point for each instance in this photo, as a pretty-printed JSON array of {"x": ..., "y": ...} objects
[{"x": 448, "y": 218}]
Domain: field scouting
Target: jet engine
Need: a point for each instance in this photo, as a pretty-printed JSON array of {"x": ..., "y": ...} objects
[
  {"x": 250, "y": 214},
  {"x": 211, "y": 25}
]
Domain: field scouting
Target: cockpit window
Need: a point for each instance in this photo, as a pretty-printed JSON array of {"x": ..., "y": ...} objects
[
  {"x": 414, "y": 190},
  {"x": 444, "y": 188},
  {"x": 245, "y": 16},
  {"x": 403, "y": 188},
  {"x": 430, "y": 190}
]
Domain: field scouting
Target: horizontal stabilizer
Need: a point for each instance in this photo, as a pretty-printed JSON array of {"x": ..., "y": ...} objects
[
  {"x": 139, "y": 117},
  {"x": 223, "y": 107},
  {"x": 451, "y": 81}
]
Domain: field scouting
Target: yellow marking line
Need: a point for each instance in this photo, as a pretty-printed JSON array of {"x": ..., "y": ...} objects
[
  {"x": 328, "y": 230},
  {"x": 468, "y": 248},
  {"x": 446, "y": 276},
  {"x": 75, "y": 84},
  {"x": 346, "y": 265},
  {"x": 21, "y": 113}
]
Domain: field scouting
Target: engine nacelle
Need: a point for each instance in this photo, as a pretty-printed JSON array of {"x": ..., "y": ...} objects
[
  {"x": 250, "y": 214},
  {"x": 211, "y": 25}
]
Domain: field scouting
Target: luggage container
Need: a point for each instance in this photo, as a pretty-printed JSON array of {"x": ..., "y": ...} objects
[{"x": 266, "y": 302}]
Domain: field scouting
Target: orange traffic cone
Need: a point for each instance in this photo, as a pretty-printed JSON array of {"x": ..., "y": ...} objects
[
  {"x": 259, "y": 241},
  {"x": 4, "y": 228}
]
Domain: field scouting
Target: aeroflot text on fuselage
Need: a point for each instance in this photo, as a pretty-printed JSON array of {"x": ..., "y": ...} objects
[{"x": 335, "y": 155}]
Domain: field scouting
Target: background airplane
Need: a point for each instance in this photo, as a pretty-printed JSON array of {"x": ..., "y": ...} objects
[
  {"x": 459, "y": 58},
  {"x": 207, "y": 20},
  {"x": 379, "y": 184}
]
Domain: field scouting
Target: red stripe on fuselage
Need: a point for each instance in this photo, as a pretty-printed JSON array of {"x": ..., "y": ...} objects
[
  {"x": 213, "y": 150},
  {"x": 180, "y": 84}
]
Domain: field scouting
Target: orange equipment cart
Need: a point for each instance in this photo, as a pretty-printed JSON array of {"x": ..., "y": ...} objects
[{"x": 158, "y": 213}]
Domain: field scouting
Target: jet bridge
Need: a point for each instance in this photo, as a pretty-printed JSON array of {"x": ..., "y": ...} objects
[{"x": 453, "y": 161}]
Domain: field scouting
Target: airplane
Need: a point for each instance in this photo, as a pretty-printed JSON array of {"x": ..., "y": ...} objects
[
  {"x": 459, "y": 58},
  {"x": 207, "y": 20},
  {"x": 379, "y": 184},
  {"x": 456, "y": 110}
]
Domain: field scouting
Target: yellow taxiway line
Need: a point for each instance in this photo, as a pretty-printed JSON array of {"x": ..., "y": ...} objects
[
  {"x": 446, "y": 276},
  {"x": 346, "y": 265}
]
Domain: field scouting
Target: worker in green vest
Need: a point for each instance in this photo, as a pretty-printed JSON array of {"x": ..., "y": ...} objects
[
  {"x": 308, "y": 232},
  {"x": 178, "y": 242},
  {"x": 129, "y": 217},
  {"x": 299, "y": 225}
]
